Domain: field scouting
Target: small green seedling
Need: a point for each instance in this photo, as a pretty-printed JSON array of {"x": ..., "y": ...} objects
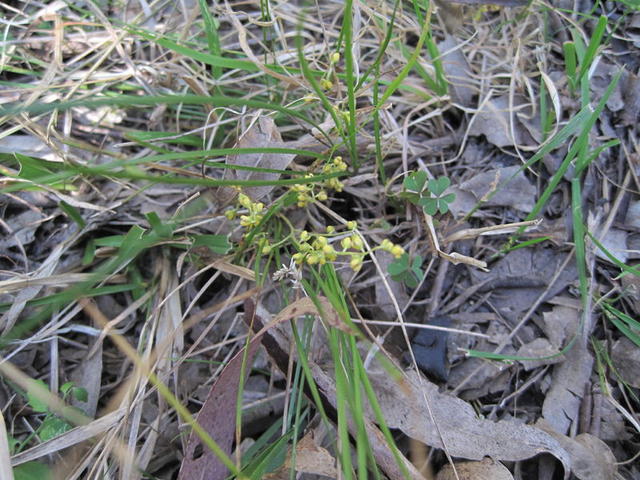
[
  {"x": 428, "y": 194},
  {"x": 52, "y": 425},
  {"x": 406, "y": 270}
]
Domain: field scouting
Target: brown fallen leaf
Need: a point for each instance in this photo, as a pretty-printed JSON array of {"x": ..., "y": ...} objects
[
  {"x": 512, "y": 189},
  {"x": 262, "y": 132},
  {"x": 540, "y": 349},
  {"x": 486, "y": 469},
  {"x": 615, "y": 241},
  {"x": 499, "y": 124},
  {"x": 560, "y": 324},
  {"x": 305, "y": 306},
  {"x": 312, "y": 458},
  {"x": 217, "y": 417},
  {"x": 591, "y": 457},
  {"x": 626, "y": 358},
  {"x": 522, "y": 276},
  {"x": 562, "y": 403},
  {"x": 419, "y": 410},
  {"x": 458, "y": 71}
]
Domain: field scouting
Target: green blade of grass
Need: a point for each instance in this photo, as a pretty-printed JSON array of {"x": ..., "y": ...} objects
[
  {"x": 351, "y": 82},
  {"x": 154, "y": 100},
  {"x": 213, "y": 40},
  {"x": 592, "y": 49}
]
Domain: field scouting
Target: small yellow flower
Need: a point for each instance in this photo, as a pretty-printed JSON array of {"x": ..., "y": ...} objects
[
  {"x": 356, "y": 242},
  {"x": 346, "y": 243},
  {"x": 230, "y": 214},
  {"x": 304, "y": 236},
  {"x": 331, "y": 229},
  {"x": 386, "y": 245},
  {"x": 397, "y": 251},
  {"x": 328, "y": 250},
  {"x": 356, "y": 263},
  {"x": 326, "y": 84},
  {"x": 244, "y": 200},
  {"x": 352, "y": 225},
  {"x": 335, "y": 57}
]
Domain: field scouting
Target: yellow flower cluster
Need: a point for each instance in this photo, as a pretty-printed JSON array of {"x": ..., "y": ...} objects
[
  {"x": 325, "y": 82},
  {"x": 396, "y": 250},
  {"x": 315, "y": 249},
  {"x": 318, "y": 252},
  {"x": 254, "y": 209},
  {"x": 336, "y": 165},
  {"x": 306, "y": 194},
  {"x": 306, "y": 191}
]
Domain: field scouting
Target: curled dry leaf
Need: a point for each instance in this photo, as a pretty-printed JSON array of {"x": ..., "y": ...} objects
[
  {"x": 499, "y": 125},
  {"x": 305, "y": 306},
  {"x": 312, "y": 458},
  {"x": 540, "y": 349},
  {"x": 217, "y": 417},
  {"x": 522, "y": 276},
  {"x": 486, "y": 469},
  {"x": 615, "y": 242},
  {"x": 458, "y": 72},
  {"x": 561, "y": 406},
  {"x": 263, "y": 132},
  {"x": 417, "y": 409},
  {"x": 626, "y": 358},
  {"x": 591, "y": 458},
  {"x": 502, "y": 187}
]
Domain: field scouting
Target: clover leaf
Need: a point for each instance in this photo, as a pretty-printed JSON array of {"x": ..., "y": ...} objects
[
  {"x": 428, "y": 194},
  {"x": 407, "y": 270}
]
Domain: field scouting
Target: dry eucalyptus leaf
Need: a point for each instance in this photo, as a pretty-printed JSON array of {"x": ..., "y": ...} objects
[
  {"x": 28, "y": 145},
  {"x": 23, "y": 228},
  {"x": 591, "y": 458},
  {"x": 615, "y": 241},
  {"x": 312, "y": 458},
  {"x": 539, "y": 348},
  {"x": 562, "y": 404},
  {"x": 560, "y": 323},
  {"x": 486, "y": 469},
  {"x": 457, "y": 71},
  {"x": 632, "y": 217},
  {"x": 305, "y": 306},
  {"x": 404, "y": 406},
  {"x": 626, "y": 358},
  {"x": 519, "y": 278},
  {"x": 498, "y": 124},
  {"x": 263, "y": 132},
  {"x": 512, "y": 189},
  {"x": 217, "y": 417},
  {"x": 88, "y": 375}
]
